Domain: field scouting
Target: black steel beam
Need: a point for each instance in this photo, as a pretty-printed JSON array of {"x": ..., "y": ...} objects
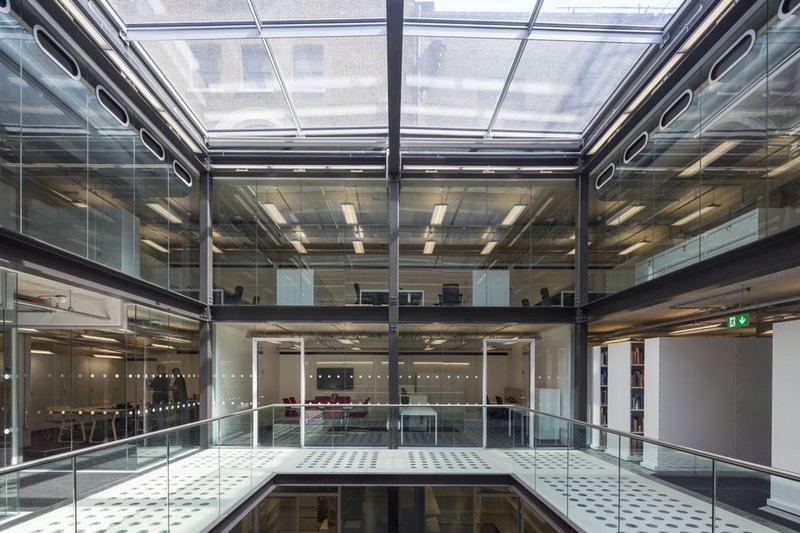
[
  {"x": 394, "y": 73},
  {"x": 407, "y": 314},
  {"x": 766, "y": 256},
  {"x": 580, "y": 344},
  {"x": 394, "y": 308},
  {"x": 26, "y": 254},
  {"x": 205, "y": 347}
]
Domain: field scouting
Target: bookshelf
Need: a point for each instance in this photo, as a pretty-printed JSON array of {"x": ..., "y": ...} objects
[
  {"x": 599, "y": 396},
  {"x": 637, "y": 396},
  {"x": 603, "y": 393}
]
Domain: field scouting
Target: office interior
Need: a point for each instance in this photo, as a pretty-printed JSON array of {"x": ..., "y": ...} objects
[{"x": 538, "y": 245}]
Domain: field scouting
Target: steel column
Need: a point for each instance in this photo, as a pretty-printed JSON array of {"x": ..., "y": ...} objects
[
  {"x": 580, "y": 348},
  {"x": 206, "y": 286}
]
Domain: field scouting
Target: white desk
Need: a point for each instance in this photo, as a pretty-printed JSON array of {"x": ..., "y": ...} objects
[{"x": 421, "y": 411}]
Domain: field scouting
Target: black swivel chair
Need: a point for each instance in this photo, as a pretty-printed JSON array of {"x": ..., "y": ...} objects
[
  {"x": 526, "y": 302},
  {"x": 256, "y": 300},
  {"x": 450, "y": 295}
]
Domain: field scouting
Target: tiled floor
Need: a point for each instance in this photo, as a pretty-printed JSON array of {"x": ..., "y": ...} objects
[{"x": 191, "y": 491}]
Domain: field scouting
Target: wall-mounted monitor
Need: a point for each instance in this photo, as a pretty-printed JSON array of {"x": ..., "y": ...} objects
[{"x": 334, "y": 378}]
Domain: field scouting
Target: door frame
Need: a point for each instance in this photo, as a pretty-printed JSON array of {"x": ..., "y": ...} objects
[
  {"x": 280, "y": 340},
  {"x": 531, "y": 381}
]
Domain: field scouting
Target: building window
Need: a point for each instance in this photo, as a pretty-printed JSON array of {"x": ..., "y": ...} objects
[
  {"x": 307, "y": 67},
  {"x": 209, "y": 65},
  {"x": 256, "y": 71}
]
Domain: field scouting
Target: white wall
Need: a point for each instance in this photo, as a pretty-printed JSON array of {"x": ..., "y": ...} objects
[
  {"x": 233, "y": 368},
  {"x": 712, "y": 394},
  {"x": 553, "y": 364},
  {"x": 785, "y": 409}
]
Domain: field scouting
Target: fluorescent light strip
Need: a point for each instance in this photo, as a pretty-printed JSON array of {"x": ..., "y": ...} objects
[
  {"x": 274, "y": 213},
  {"x": 42, "y": 352},
  {"x": 633, "y": 247},
  {"x": 624, "y": 215},
  {"x": 489, "y": 247},
  {"x": 162, "y": 346},
  {"x": 705, "y": 160},
  {"x": 164, "y": 212},
  {"x": 437, "y": 342},
  {"x": 429, "y": 246},
  {"x": 299, "y": 247},
  {"x": 349, "y": 212},
  {"x": 102, "y": 356},
  {"x": 695, "y": 214},
  {"x": 439, "y": 363},
  {"x": 572, "y": 252},
  {"x": 695, "y": 329},
  {"x": 215, "y": 249},
  {"x": 98, "y": 338},
  {"x": 784, "y": 167},
  {"x": 437, "y": 217},
  {"x": 28, "y": 330},
  {"x": 358, "y": 247},
  {"x": 513, "y": 214},
  {"x": 155, "y": 246}
]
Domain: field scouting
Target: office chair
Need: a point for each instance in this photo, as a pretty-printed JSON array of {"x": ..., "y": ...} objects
[
  {"x": 450, "y": 295},
  {"x": 526, "y": 302},
  {"x": 365, "y": 299},
  {"x": 547, "y": 301},
  {"x": 256, "y": 300},
  {"x": 237, "y": 293}
]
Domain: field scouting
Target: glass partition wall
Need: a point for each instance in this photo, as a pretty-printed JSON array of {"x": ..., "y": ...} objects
[
  {"x": 487, "y": 243},
  {"x": 713, "y": 167},
  {"x": 76, "y": 173},
  {"x": 299, "y": 241}
]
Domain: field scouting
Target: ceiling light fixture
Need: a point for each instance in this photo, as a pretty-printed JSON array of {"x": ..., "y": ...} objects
[
  {"x": 42, "y": 352},
  {"x": 28, "y": 330},
  {"x": 633, "y": 247},
  {"x": 705, "y": 160},
  {"x": 216, "y": 249},
  {"x": 102, "y": 356},
  {"x": 349, "y": 212},
  {"x": 437, "y": 342},
  {"x": 489, "y": 247},
  {"x": 437, "y": 217},
  {"x": 346, "y": 341},
  {"x": 572, "y": 252},
  {"x": 298, "y": 245},
  {"x": 695, "y": 214},
  {"x": 162, "y": 346},
  {"x": 429, "y": 246},
  {"x": 624, "y": 214},
  {"x": 164, "y": 212},
  {"x": 695, "y": 329},
  {"x": 784, "y": 167},
  {"x": 98, "y": 338},
  {"x": 513, "y": 214},
  {"x": 273, "y": 213},
  {"x": 358, "y": 247},
  {"x": 155, "y": 246}
]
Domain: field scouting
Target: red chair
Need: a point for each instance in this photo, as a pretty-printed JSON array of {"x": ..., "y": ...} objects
[{"x": 290, "y": 413}]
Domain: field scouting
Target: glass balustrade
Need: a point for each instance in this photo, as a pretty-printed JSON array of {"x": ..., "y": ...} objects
[{"x": 191, "y": 476}]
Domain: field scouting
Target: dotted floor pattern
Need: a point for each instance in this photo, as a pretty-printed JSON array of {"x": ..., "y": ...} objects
[
  {"x": 446, "y": 460},
  {"x": 596, "y": 496},
  {"x": 340, "y": 460}
]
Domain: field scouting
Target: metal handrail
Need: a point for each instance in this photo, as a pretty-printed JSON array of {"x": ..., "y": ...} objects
[{"x": 677, "y": 447}]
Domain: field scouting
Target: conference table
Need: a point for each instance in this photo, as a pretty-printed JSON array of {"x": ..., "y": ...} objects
[
  {"x": 413, "y": 410},
  {"x": 75, "y": 415}
]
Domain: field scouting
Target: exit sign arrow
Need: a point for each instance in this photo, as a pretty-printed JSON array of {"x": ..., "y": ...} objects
[{"x": 738, "y": 321}]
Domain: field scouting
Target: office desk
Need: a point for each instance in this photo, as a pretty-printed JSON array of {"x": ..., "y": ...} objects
[
  {"x": 381, "y": 297},
  {"x": 421, "y": 411}
]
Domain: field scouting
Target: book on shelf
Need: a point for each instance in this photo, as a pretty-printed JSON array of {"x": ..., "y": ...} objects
[
  {"x": 603, "y": 377},
  {"x": 637, "y": 401},
  {"x": 637, "y": 355},
  {"x": 637, "y": 377}
]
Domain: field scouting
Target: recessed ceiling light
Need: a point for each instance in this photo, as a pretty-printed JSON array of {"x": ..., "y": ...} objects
[
  {"x": 349, "y": 212},
  {"x": 429, "y": 246},
  {"x": 273, "y": 213},
  {"x": 488, "y": 248},
  {"x": 164, "y": 212},
  {"x": 437, "y": 217},
  {"x": 513, "y": 214},
  {"x": 358, "y": 247},
  {"x": 298, "y": 245},
  {"x": 98, "y": 338}
]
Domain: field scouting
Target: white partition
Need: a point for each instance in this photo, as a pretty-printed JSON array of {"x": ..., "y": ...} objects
[
  {"x": 295, "y": 286},
  {"x": 785, "y": 406},
  {"x": 491, "y": 288}
]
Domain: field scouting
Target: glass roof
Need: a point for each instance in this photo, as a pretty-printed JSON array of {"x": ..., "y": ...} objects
[{"x": 470, "y": 67}]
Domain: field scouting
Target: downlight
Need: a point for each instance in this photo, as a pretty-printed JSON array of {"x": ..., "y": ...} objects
[
  {"x": 182, "y": 173},
  {"x": 732, "y": 56},
  {"x": 605, "y": 176},
  {"x": 635, "y": 147},
  {"x": 111, "y": 105},
  {"x": 788, "y": 8},
  {"x": 56, "y": 52},
  {"x": 152, "y": 144},
  {"x": 678, "y": 108}
]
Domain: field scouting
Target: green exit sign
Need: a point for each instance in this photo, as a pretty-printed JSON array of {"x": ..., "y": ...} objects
[{"x": 739, "y": 321}]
